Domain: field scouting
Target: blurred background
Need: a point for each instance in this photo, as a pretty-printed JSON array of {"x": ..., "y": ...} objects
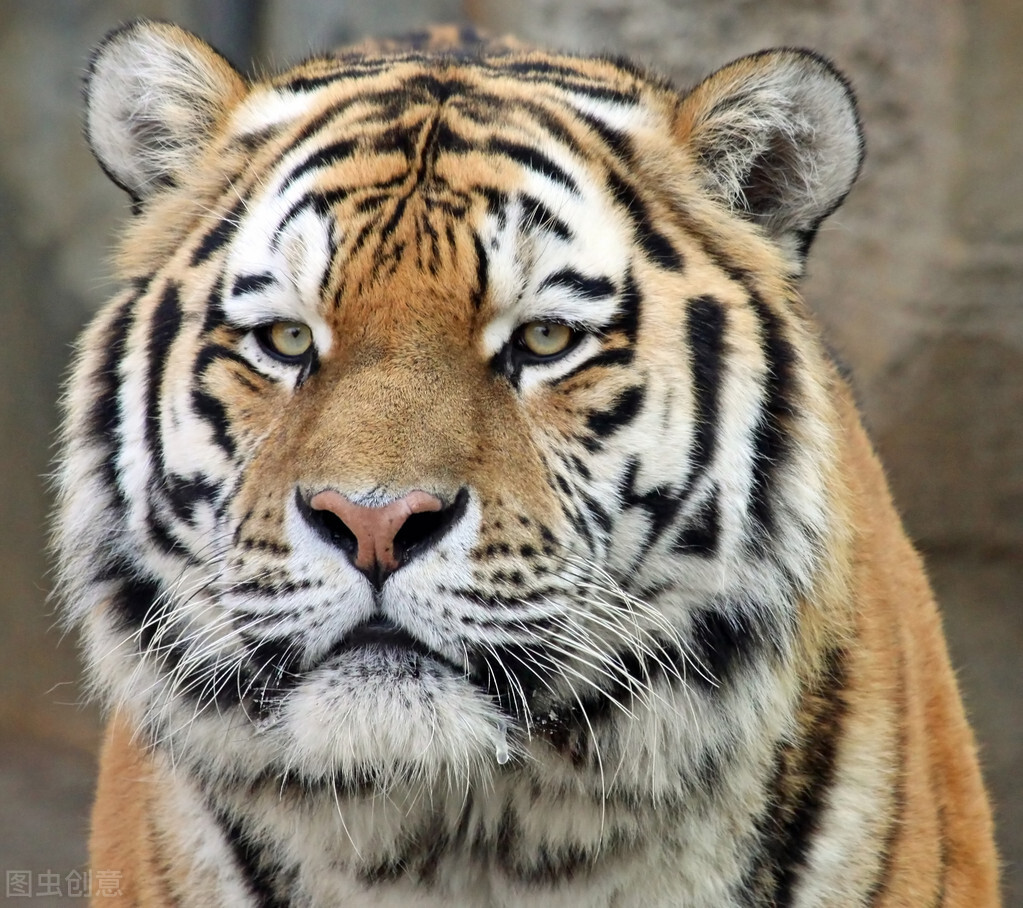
[{"x": 918, "y": 280}]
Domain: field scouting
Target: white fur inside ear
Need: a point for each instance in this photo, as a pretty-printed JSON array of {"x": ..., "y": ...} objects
[
  {"x": 154, "y": 94},
  {"x": 779, "y": 139}
]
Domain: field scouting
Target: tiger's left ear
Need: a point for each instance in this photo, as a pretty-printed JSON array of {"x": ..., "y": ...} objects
[
  {"x": 778, "y": 140},
  {"x": 154, "y": 95}
]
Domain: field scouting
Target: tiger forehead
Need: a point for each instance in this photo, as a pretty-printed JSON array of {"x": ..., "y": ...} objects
[
  {"x": 562, "y": 96},
  {"x": 440, "y": 178},
  {"x": 528, "y": 74}
]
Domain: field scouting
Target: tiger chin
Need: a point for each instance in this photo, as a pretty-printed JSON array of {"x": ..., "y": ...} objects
[{"x": 458, "y": 506}]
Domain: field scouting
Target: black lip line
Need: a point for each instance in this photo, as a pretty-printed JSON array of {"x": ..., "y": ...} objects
[{"x": 384, "y": 634}]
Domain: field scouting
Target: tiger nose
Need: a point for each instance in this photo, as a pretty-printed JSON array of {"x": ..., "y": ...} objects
[{"x": 379, "y": 540}]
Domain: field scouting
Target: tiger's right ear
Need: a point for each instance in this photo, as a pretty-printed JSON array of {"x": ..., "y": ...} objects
[{"x": 154, "y": 95}]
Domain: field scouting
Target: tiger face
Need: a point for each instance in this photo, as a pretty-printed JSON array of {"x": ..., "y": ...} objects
[{"x": 459, "y": 412}]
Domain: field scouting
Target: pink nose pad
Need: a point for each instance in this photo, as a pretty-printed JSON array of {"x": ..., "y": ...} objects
[{"x": 376, "y": 530}]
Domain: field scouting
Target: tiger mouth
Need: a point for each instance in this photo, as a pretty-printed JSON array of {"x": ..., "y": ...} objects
[{"x": 382, "y": 635}]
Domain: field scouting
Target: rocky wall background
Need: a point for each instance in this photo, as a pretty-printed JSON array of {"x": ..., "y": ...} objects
[{"x": 918, "y": 279}]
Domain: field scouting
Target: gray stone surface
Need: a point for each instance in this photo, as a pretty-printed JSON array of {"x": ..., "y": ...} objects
[{"x": 45, "y": 797}]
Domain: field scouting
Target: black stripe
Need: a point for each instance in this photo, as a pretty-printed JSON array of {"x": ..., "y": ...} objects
[
  {"x": 135, "y": 598},
  {"x": 597, "y": 511},
  {"x": 510, "y": 671},
  {"x": 185, "y": 493},
  {"x": 320, "y": 201},
  {"x": 618, "y": 142},
  {"x": 447, "y": 141},
  {"x": 725, "y": 640},
  {"x": 623, "y": 411},
  {"x": 633, "y": 671},
  {"x": 163, "y": 331},
  {"x": 324, "y": 119},
  {"x": 630, "y": 305},
  {"x": 261, "y": 874},
  {"x": 535, "y": 160},
  {"x": 661, "y": 504},
  {"x": 567, "y": 79},
  {"x": 401, "y": 137},
  {"x": 252, "y": 283},
  {"x": 371, "y": 202},
  {"x": 618, "y": 356},
  {"x": 426, "y": 149},
  {"x": 203, "y": 682},
  {"x": 579, "y": 524},
  {"x": 804, "y": 777},
  {"x": 547, "y": 865},
  {"x": 705, "y": 328},
  {"x": 327, "y": 156},
  {"x": 700, "y": 536},
  {"x": 209, "y": 409},
  {"x": 105, "y": 414},
  {"x": 592, "y": 288},
  {"x": 214, "y": 353},
  {"x": 214, "y": 315},
  {"x": 486, "y": 109},
  {"x": 104, "y": 420},
  {"x": 771, "y": 437},
  {"x": 537, "y": 216},
  {"x": 353, "y": 69},
  {"x": 479, "y": 291},
  {"x": 221, "y": 233},
  {"x": 162, "y": 536},
  {"x": 251, "y": 142},
  {"x": 655, "y": 244}
]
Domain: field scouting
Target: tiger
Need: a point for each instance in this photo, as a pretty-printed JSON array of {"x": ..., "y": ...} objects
[{"x": 459, "y": 505}]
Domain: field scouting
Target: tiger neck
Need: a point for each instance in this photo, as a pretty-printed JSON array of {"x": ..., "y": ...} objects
[{"x": 537, "y": 823}]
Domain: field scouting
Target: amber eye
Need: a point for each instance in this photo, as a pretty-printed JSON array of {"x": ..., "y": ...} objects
[
  {"x": 545, "y": 339},
  {"x": 287, "y": 341}
]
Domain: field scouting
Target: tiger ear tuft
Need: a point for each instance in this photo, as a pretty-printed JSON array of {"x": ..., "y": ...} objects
[
  {"x": 778, "y": 139},
  {"x": 154, "y": 94}
]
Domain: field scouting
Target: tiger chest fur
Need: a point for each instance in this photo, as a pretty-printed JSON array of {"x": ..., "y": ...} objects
[{"x": 458, "y": 508}]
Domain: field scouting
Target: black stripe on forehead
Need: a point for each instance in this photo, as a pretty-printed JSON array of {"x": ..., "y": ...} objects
[
  {"x": 324, "y": 157},
  {"x": 533, "y": 159},
  {"x": 537, "y": 216},
  {"x": 585, "y": 286},
  {"x": 653, "y": 242},
  {"x": 222, "y": 232},
  {"x": 564, "y": 77}
]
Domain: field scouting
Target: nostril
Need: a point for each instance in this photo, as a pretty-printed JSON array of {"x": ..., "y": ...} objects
[
  {"x": 328, "y": 525},
  {"x": 425, "y": 529},
  {"x": 336, "y": 530}
]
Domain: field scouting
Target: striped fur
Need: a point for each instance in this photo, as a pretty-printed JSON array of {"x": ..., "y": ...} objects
[{"x": 672, "y": 647}]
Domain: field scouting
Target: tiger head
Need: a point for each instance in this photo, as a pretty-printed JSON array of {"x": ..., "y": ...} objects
[{"x": 459, "y": 404}]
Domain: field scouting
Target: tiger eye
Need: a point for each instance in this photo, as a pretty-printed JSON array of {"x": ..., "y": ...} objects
[
  {"x": 288, "y": 340},
  {"x": 545, "y": 338}
]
